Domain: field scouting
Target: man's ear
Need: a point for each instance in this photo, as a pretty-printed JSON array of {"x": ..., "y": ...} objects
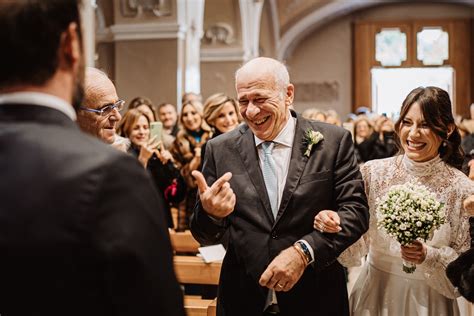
[
  {"x": 70, "y": 48},
  {"x": 290, "y": 94}
]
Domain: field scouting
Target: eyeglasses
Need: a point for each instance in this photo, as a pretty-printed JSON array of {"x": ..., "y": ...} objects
[{"x": 107, "y": 109}]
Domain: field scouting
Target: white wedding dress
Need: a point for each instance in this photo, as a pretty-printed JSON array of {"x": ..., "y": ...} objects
[{"x": 382, "y": 288}]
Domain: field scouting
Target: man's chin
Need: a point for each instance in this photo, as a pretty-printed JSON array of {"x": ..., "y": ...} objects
[{"x": 108, "y": 136}]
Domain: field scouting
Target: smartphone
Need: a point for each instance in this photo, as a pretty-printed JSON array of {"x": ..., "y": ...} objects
[{"x": 156, "y": 130}]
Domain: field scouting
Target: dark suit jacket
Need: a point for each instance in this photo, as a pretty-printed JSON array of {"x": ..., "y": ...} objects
[
  {"x": 81, "y": 232},
  {"x": 328, "y": 179}
]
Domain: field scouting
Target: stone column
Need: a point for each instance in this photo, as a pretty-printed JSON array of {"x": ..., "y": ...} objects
[
  {"x": 88, "y": 31},
  {"x": 250, "y": 14},
  {"x": 193, "y": 18}
]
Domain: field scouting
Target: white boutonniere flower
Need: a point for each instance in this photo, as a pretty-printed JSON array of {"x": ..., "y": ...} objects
[{"x": 311, "y": 138}]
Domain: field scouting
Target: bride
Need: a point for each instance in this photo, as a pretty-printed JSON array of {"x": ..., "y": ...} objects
[{"x": 430, "y": 145}]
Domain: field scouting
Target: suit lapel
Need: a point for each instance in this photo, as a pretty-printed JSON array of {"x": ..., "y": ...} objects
[
  {"x": 297, "y": 164},
  {"x": 245, "y": 145}
]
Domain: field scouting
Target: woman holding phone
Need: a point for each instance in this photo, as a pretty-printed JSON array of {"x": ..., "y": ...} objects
[
  {"x": 135, "y": 125},
  {"x": 186, "y": 150}
]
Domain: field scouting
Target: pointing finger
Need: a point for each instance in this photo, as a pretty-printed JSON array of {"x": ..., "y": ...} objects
[
  {"x": 216, "y": 186},
  {"x": 200, "y": 181}
]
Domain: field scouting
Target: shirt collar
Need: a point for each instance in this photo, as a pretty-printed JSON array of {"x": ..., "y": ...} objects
[
  {"x": 38, "y": 98},
  {"x": 286, "y": 135}
]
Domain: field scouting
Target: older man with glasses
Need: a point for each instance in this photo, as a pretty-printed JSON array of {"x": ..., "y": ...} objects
[{"x": 99, "y": 113}]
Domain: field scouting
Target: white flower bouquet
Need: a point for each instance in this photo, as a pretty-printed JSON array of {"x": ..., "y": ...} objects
[{"x": 409, "y": 212}]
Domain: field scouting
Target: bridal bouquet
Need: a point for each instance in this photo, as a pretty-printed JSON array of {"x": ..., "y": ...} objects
[{"x": 409, "y": 212}]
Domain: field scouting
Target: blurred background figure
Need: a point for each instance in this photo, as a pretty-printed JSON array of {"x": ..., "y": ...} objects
[
  {"x": 186, "y": 150},
  {"x": 333, "y": 118},
  {"x": 466, "y": 129},
  {"x": 362, "y": 131},
  {"x": 135, "y": 125},
  {"x": 191, "y": 96},
  {"x": 166, "y": 113},
  {"x": 99, "y": 113},
  {"x": 314, "y": 114},
  {"x": 363, "y": 110},
  {"x": 374, "y": 139},
  {"x": 145, "y": 105}
]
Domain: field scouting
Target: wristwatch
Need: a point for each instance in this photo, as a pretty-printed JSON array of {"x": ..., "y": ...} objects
[{"x": 304, "y": 248}]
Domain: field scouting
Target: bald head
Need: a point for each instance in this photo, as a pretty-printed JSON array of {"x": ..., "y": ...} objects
[
  {"x": 268, "y": 67},
  {"x": 99, "y": 93},
  {"x": 96, "y": 83}
]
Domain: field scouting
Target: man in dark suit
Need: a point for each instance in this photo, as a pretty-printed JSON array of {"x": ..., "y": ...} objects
[
  {"x": 80, "y": 227},
  {"x": 267, "y": 180}
]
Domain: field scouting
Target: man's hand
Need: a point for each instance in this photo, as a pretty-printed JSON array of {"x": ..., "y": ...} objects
[
  {"x": 284, "y": 271},
  {"x": 217, "y": 200}
]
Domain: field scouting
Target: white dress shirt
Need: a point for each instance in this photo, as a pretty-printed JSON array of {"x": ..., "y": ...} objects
[{"x": 38, "y": 98}]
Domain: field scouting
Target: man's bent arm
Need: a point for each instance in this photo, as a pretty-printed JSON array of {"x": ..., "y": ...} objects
[
  {"x": 352, "y": 208},
  {"x": 206, "y": 229}
]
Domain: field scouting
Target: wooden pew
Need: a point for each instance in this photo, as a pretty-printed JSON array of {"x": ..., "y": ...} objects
[
  {"x": 193, "y": 270},
  {"x": 196, "y": 306},
  {"x": 184, "y": 241},
  {"x": 212, "y": 309}
]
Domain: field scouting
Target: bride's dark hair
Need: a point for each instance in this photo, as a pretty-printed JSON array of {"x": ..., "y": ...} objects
[{"x": 437, "y": 112}]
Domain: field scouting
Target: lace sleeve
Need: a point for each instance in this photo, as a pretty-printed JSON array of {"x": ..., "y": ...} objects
[
  {"x": 437, "y": 258},
  {"x": 351, "y": 257}
]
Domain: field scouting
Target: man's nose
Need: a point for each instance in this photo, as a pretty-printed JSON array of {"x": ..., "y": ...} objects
[
  {"x": 252, "y": 110},
  {"x": 115, "y": 115}
]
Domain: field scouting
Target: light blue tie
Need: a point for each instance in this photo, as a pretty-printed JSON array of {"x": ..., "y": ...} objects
[{"x": 270, "y": 176}]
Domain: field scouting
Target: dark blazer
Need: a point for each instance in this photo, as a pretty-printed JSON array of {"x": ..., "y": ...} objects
[
  {"x": 80, "y": 233},
  {"x": 328, "y": 179}
]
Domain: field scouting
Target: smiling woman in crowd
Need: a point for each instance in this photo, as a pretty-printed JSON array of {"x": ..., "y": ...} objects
[{"x": 186, "y": 150}]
